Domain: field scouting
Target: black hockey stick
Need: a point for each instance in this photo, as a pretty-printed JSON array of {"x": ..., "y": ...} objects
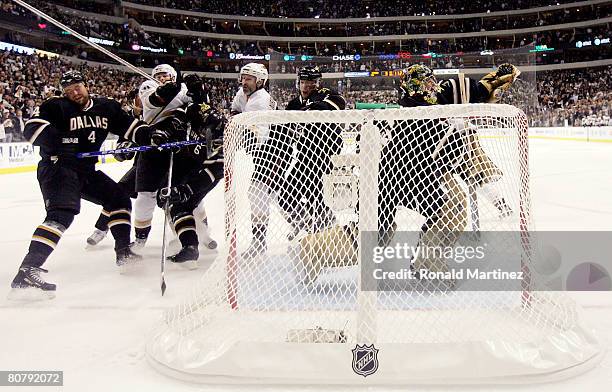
[{"x": 166, "y": 208}]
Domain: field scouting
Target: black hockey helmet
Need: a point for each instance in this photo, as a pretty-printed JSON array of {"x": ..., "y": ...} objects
[
  {"x": 71, "y": 77},
  {"x": 309, "y": 72}
]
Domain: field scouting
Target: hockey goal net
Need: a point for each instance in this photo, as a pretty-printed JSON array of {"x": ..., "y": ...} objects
[{"x": 312, "y": 197}]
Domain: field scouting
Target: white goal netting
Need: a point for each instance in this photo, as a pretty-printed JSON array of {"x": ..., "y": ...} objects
[{"x": 310, "y": 197}]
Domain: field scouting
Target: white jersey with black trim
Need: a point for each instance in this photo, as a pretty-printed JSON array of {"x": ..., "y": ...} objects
[
  {"x": 153, "y": 114},
  {"x": 259, "y": 100}
]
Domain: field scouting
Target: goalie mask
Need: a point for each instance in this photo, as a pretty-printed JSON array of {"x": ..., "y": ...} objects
[{"x": 419, "y": 86}]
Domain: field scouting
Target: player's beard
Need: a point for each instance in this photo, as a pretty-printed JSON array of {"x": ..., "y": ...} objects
[
  {"x": 247, "y": 90},
  {"x": 82, "y": 100}
]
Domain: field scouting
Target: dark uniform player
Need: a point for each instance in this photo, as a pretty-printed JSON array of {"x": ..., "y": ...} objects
[
  {"x": 63, "y": 127},
  {"x": 201, "y": 169},
  {"x": 421, "y": 156},
  {"x": 414, "y": 175},
  {"x": 408, "y": 174},
  {"x": 314, "y": 144}
]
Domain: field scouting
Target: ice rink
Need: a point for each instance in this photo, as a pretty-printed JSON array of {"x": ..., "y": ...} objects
[{"x": 95, "y": 329}]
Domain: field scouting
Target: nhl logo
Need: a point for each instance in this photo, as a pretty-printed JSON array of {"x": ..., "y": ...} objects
[{"x": 365, "y": 360}]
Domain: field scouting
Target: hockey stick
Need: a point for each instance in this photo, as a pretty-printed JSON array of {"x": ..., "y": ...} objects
[
  {"x": 139, "y": 148},
  {"x": 113, "y": 56},
  {"x": 166, "y": 207}
]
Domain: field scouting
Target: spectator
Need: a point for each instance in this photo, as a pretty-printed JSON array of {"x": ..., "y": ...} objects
[
  {"x": 10, "y": 125},
  {"x": 574, "y": 96}
]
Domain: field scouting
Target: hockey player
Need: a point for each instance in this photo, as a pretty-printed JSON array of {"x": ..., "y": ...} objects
[
  {"x": 299, "y": 189},
  {"x": 252, "y": 96},
  {"x": 314, "y": 145},
  {"x": 62, "y": 127},
  {"x": 159, "y": 100},
  {"x": 414, "y": 175},
  {"x": 202, "y": 170}
]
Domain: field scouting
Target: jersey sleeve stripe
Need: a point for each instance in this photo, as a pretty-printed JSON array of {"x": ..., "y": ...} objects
[
  {"x": 329, "y": 101},
  {"x": 37, "y": 132},
  {"x": 131, "y": 128},
  {"x": 454, "y": 87},
  {"x": 37, "y": 121},
  {"x": 210, "y": 174}
]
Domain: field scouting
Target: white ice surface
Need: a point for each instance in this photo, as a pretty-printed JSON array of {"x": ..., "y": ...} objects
[{"x": 96, "y": 327}]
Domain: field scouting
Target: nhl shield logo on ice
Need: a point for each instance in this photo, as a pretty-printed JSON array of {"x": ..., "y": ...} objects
[{"x": 365, "y": 360}]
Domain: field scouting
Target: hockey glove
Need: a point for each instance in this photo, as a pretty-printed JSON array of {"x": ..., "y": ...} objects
[
  {"x": 215, "y": 122},
  {"x": 167, "y": 91},
  {"x": 194, "y": 88},
  {"x": 160, "y": 136},
  {"x": 176, "y": 194},
  {"x": 169, "y": 130},
  {"x": 497, "y": 82},
  {"x": 124, "y": 156}
]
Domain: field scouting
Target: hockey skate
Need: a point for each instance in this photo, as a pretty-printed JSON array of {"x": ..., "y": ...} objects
[
  {"x": 258, "y": 245},
  {"x": 127, "y": 260},
  {"x": 204, "y": 235},
  {"x": 138, "y": 243},
  {"x": 300, "y": 221},
  {"x": 96, "y": 237},
  {"x": 187, "y": 257},
  {"x": 29, "y": 286}
]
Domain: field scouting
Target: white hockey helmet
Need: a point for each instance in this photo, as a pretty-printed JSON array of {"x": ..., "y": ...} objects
[
  {"x": 165, "y": 69},
  {"x": 255, "y": 69}
]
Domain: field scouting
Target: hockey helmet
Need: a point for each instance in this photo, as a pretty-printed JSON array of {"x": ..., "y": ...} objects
[
  {"x": 165, "y": 69},
  {"x": 308, "y": 72},
  {"x": 71, "y": 77},
  {"x": 257, "y": 70}
]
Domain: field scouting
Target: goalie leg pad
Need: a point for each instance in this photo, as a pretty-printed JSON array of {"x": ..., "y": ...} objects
[
  {"x": 331, "y": 247},
  {"x": 450, "y": 221},
  {"x": 478, "y": 169}
]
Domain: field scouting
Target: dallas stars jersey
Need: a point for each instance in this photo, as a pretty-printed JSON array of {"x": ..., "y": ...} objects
[
  {"x": 321, "y": 99},
  {"x": 62, "y": 129}
]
